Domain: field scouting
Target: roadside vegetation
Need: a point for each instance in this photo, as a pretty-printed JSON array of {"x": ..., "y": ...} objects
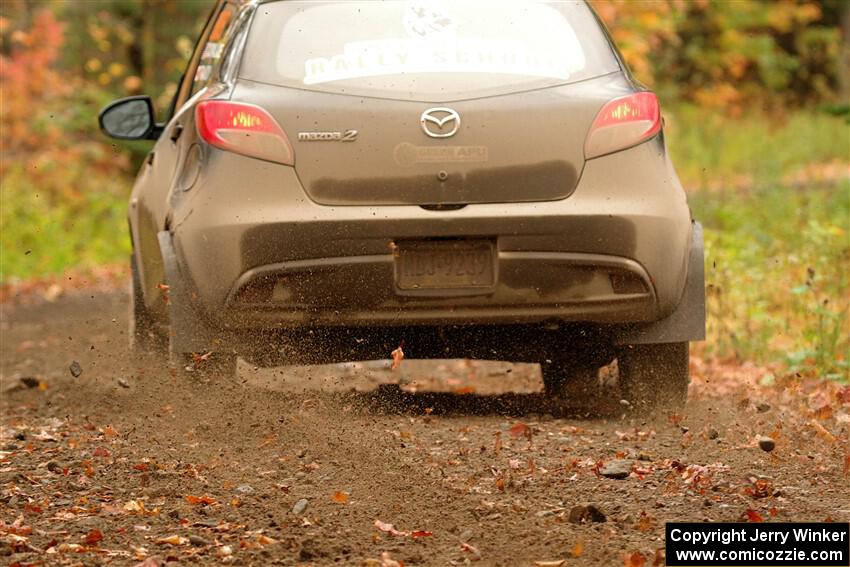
[{"x": 752, "y": 97}]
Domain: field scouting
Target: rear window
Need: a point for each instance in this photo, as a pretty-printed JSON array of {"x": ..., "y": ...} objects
[{"x": 424, "y": 48}]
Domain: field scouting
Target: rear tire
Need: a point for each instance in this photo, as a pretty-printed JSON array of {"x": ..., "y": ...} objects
[
  {"x": 654, "y": 375},
  {"x": 569, "y": 379}
]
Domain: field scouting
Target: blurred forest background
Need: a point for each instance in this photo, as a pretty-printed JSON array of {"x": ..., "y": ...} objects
[{"x": 755, "y": 97}]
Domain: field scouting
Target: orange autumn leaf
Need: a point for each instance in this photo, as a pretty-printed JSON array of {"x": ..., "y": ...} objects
[
  {"x": 635, "y": 559},
  {"x": 398, "y": 356},
  {"x": 109, "y": 431},
  {"x": 205, "y": 500},
  {"x": 93, "y": 537},
  {"x": 144, "y": 467},
  {"x": 339, "y": 497},
  {"x": 520, "y": 429},
  {"x": 753, "y": 516},
  {"x": 645, "y": 522},
  {"x": 420, "y": 533},
  {"x": 824, "y": 412},
  {"x": 822, "y": 431},
  {"x": 173, "y": 540},
  {"x": 18, "y": 530},
  {"x": 578, "y": 549},
  {"x": 101, "y": 452}
]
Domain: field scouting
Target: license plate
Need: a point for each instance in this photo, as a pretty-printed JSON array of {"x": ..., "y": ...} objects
[{"x": 436, "y": 265}]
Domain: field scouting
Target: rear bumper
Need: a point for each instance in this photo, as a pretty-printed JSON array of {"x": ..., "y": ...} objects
[
  {"x": 360, "y": 290},
  {"x": 334, "y": 266}
]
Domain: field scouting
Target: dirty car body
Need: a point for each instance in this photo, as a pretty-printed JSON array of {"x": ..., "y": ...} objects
[{"x": 371, "y": 166}]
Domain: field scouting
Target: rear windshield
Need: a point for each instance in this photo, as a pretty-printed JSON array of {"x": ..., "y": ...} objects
[{"x": 424, "y": 48}]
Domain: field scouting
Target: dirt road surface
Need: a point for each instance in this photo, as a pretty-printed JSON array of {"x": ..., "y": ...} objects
[{"x": 464, "y": 463}]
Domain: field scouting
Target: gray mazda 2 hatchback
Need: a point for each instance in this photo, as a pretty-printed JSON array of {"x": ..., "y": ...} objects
[{"x": 468, "y": 179}]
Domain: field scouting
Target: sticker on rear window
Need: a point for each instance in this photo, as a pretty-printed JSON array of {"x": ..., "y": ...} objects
[{"x": 528, "y": 39}]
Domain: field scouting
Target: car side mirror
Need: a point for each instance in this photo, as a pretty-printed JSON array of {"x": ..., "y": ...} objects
[{"x": 130, "y": 118}]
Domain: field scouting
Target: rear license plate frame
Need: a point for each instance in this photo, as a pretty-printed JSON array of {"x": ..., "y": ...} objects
[{"x": 445, "y": 267}]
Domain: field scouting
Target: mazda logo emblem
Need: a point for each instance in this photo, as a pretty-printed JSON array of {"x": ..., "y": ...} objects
[{"x": 440, "y": 122}]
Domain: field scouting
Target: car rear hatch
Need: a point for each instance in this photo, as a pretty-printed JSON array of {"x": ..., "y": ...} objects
[{"x": 423, "y": 104}]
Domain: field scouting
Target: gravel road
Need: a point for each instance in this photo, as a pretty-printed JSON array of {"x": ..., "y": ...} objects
[{"x": 435, "y": 463}]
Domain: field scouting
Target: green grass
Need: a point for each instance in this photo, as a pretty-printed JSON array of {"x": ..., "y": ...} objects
[
  {"x": 777, "y": 275},
  {"x": 44, "y": 233},
  {"x": 712, "y": 150}
]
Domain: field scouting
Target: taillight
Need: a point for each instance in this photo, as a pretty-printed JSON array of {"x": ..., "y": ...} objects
[
  {"x": 622, "y": 123},
  {"x": 243, "y": 129}
]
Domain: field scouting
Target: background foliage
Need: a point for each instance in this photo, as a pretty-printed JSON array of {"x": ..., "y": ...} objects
[{"x": 755, "y": 96}]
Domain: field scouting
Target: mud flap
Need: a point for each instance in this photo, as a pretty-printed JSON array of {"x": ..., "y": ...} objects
[
  {"x": 687, "y": 322},
  {"x": 188, "y": 332}
]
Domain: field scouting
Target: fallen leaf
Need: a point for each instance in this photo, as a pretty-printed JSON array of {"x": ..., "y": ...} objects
[
  {"x": 134, "y": 506},
  {"x": 198, "y": 360},
  {"x": 144, "y": 467},
  {"x": 388, "y": 561},
  {"x": 824, "y": 412},
  {"x": 420, "y": 533},
  {"x": 340, "y": 497},
  {"x": 520, "y": 429},
  {"x": 761, "y": 488},
  {"x": 93, "y": 537},
  {"x": 822, "y": 432},
  {"x": 753, "y": 516},
  {"x": 164, "y": 288},
  {"x": 109, "y": 431},
  {"x": 578, "y": 549},
  {"x": 205, "y": 500},
  {"x": 645, "y": 522},
  {"x": 101, "y": 452},
  {"x": 173, "y": 540},
  {"x": 398, "y": 356},
  {"x": 389, "y": 528},
  {"x": 635, "y": 559},
  {"x": 265, "y": 540},
  {"x": 500, "y": 484}
]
